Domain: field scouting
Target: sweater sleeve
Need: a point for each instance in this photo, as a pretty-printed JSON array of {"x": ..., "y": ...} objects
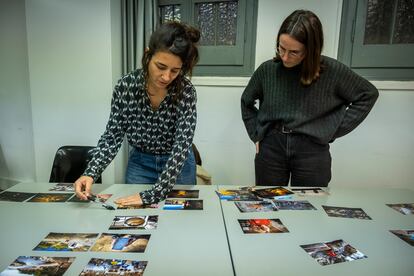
[
  {"x": 249, "y": 111},
  {"x": 111, "y": 140},
  {"x": 186, "y": 123},
  {"x": 361, "y": 96}
]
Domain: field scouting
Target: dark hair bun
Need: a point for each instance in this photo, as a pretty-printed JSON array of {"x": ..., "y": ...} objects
[{"x": 193, "y": 34}]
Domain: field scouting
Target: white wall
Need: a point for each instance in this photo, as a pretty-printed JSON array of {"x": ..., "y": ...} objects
[
  {"x": 16, "y": 133},
  {"x": 73, "y": 49}
]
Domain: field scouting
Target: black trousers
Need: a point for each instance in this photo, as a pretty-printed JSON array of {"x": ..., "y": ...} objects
[{"x": 285, "y": 156}]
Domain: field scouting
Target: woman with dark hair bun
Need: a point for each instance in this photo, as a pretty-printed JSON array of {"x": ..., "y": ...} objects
[
  {"x": 155, "y": 107},
  {"x": 306, "y": 101}
]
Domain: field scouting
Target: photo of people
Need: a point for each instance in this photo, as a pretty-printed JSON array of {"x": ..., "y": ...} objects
[
  {"x": 134, "y": 222},
  {"x": 344, "y": 212},
  {"x": 179, "y": 204},
  {"x": 255, "y": 206},
  {"x": 99, "y": 198},
  {"x": 63, "y": 187},
  {"x": 109, "y": 242},
  {"x": 66, "y": 242},
  {"x": 38, "y": 265},
  {"x": 183, "y": 194},
  {"x": 403, "y": 208},
  {"x": 128, "y": 207},
  {"x": 262, "y": 226},
  {"x": 333, "y": 252},
  {"x": 405, "y": 235},
  {"x": 293, "y": 205},
  {"x": 15, "y": 196},
  {"x": 114, "y": 267},
  {"x": 50, "y": 197},
  {"x": 309, "y": 191}
]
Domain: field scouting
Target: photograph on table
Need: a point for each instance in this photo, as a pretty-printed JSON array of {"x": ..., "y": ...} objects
[
  {"x": 109, "y": 242},
  {"x": 128, "y": 207},
  {"x": 237, "y": 195},
  {"x": 50, "y": 197},
  {"x": 274, "y": 192},
  {"x": 309, "y": 191},
  {"x": 98, "y": 266},
  {"x": 67, "y": 242},
  {"x": 38, "y": 265},
  {"x": 293, "y": 205},
  {"x": 63, "y": 187},
  {"x": 403, "y": 208},
  {"x": 345, "y": 212},
  {"x": 15, "y": 196},
  {"x": 99, "y": 197},
  {"x": 262, "y": 226},
  {"x": 405, "y": 235},
  {"x": 333, "y": 252},
  {"x": 255, "y": 206},
  {"x": 181, "y": 204},
  {"x": 183, "y": 194},
  {"x": 134, "y": 222}
]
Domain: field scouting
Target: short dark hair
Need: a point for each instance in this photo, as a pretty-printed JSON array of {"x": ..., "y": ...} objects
[
  {"x": 305, "y": 27},
  {"x": 178, "y": 39}
]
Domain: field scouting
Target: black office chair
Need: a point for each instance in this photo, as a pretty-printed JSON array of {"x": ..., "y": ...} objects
[{"x": 70, "y": 162}]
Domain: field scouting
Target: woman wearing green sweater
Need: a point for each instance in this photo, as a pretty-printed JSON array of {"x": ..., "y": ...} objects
[{"x": 306, "y": 101}]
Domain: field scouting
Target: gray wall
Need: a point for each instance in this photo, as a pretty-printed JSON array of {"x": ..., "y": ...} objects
[
  {"x": 62, "y": 89},
  {"x": 16, "y": 132}
]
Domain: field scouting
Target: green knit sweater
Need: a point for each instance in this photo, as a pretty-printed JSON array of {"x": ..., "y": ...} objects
[{"x": 329, "y": 108}]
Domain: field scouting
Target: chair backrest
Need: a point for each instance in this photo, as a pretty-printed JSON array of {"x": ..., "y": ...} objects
[
  {"x": 196, "y": 155},
  {"x": 70, "y": 162}
]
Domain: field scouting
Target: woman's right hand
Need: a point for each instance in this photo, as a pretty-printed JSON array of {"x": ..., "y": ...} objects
[
  {"x": 257, "y": 147},
  {"x": 83, "y": 187}
]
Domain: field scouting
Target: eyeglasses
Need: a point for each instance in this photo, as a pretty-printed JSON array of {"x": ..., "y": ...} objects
[{"x": 290, "y": 53}]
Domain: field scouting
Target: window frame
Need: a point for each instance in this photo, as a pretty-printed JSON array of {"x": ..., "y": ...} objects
[
  {"x": 374, "y": 62},
  {"x": 221, "y": 60}
]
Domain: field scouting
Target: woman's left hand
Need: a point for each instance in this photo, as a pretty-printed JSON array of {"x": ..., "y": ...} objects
[{"x": 133, "y": 200}]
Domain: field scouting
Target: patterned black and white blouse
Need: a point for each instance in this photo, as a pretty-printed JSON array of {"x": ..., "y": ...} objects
[{"x": 167, "y": 130}]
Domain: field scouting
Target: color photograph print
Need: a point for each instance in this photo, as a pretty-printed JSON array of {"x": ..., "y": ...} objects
[
  {"x": 114, "y": 267},
  {"x": 405, "y": 235},
  {"x": 50, "y": 197},
  {"x": 99, "y": 197},
  {"x": 108, "y": 242},
  {"x": 309, "y": 191},
  {"x": 63, "y": 187},
  {"x": 272, "y": 192},
  {"x": 67, "y": 242},
  {"x": 15, "y": 196},
  {"x": 262, "y": 226},
  {"x": 344, "y": 212},
  {"x": 180, "y": 204},
  {"x": 134, "y": 222},
  {"x": 333, "y": 252},
  {"x": 403, "y": 208},
  {"x": 255, "y": 206},
  {"x": 183, "y": 194},
  {"x": 38, "y": 265},
  {"x": 128, "y": 207},
  {"x": 293, "y": 205},
  {"x": 237, "y": 195}
]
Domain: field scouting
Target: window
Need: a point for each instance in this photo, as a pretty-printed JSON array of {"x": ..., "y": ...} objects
[
  {"x": 377, "y": 38},
  {"x": 228, "y": 33}
]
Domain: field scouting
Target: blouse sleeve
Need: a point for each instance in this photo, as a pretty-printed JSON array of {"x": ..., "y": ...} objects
[
  {"x": 186, "y": 123},
  {"x": 111, "y": 140}
]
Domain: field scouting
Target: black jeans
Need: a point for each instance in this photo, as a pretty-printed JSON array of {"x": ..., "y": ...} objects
[{"x": 283, "y": 156}]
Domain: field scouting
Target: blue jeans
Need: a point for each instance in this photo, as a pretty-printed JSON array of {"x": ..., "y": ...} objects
[
  {"x": 291, "y": 156},
  {"x": 145, "y": 168}
]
